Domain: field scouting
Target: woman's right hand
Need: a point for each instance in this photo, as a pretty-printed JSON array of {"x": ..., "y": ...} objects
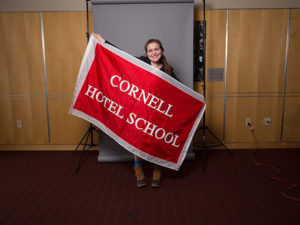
[{"x": 99, "y": 37}]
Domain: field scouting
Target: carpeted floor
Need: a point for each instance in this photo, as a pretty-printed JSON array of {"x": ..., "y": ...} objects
[{"x": 42, "y": 188}]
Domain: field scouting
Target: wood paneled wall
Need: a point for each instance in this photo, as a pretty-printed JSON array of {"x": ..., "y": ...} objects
[
  {"x": 65, "y": 43},
  {"x": 253, "y": 88},
  {"x": 23, "y": 85},
  {"x": 22, "y": 88},
  {"x": 255, "y": 81},
  {"x": 291, "y": 123},
  {"x": 256, "y": 59}
]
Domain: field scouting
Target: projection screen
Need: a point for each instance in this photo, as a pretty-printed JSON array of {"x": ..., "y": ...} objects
[{"x": 128, "y": 25}]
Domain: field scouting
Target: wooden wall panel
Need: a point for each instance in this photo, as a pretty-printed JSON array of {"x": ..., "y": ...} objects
[
  {"x": 293, "y": 74},
  {"x": 32, "y": 112},
  {"x": 256, "y": 50},
  {"x": 22, "y": 80},
  {"x": 65, "y": 128},
  {"x": 256, "y": 108},
  {"x": 215, "y": 115},
  {"x": 215, "y": 50},
  {"x": 291, "y": 128},
  {"x": 291, "y": 122},
  {"x": 65, "y": 43},
  {"x": 214, "y": 120},
  {"x": 21, "y": 59},
  {"x": 6, "y": 120}
]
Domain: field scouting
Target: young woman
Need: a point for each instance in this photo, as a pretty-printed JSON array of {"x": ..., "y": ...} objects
[{"x": 155, "y": 57}]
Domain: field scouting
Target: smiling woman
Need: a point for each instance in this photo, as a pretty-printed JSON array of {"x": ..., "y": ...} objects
[{"x": 154, "y": 53}]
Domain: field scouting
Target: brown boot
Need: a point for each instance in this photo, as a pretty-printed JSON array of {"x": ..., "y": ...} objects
[
  {"x": 157, "y": 171},
  {"x": 140, "y": 177}
]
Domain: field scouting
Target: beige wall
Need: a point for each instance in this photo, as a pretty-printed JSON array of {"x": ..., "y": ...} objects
[{"x": 79, "y": 5}]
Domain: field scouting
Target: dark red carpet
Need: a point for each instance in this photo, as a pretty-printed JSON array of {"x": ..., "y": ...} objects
[{"x": 42, "y": 188}]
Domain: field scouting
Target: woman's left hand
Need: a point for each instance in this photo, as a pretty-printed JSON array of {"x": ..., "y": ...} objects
[{"x": 99, "y": 37}]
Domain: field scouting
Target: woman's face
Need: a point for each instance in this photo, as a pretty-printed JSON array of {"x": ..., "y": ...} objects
[{"x": 154, "y": 52}]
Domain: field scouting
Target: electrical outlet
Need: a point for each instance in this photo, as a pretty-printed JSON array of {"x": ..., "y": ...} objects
[
  {"x": 19, "y": 123},
  {"x": 247, "y": 121},
  {"x": 267, "y": 121}
]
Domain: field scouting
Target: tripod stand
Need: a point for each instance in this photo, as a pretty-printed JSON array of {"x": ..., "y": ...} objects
[
  {"x": 85, "y": 138},
  {"x": 201, "y": 56},
  {"x": 89, "y": 132}
]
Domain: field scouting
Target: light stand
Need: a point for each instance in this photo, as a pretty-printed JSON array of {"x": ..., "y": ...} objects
[
  {"x": 89, "y": 132},
  {"x": 200, "y": 72}
]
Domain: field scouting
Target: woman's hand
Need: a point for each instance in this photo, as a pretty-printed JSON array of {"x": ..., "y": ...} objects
[{"x": 99, "y": 37}]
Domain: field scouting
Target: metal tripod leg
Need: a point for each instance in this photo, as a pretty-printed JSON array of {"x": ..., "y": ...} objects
[
  {"x": 87, "y": 135},
  {"x": 204, "y": 146},
  {"x": 221, "y": 142},
  {"x": 80, "y": 143}
]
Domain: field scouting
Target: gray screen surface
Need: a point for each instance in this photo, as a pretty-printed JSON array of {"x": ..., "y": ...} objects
[{"x": 128, "y": 25}]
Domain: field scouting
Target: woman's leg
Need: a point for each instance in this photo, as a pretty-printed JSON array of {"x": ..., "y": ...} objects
[
  {"x": 156, "y": 179},
  {"x": 139, "y": 173}
]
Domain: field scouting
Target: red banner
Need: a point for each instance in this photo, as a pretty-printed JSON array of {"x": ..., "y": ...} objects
[{"x": 145, "y": 110}]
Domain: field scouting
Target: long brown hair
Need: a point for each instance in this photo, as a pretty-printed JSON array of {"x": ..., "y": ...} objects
[{"x": 168, "y": 68}]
